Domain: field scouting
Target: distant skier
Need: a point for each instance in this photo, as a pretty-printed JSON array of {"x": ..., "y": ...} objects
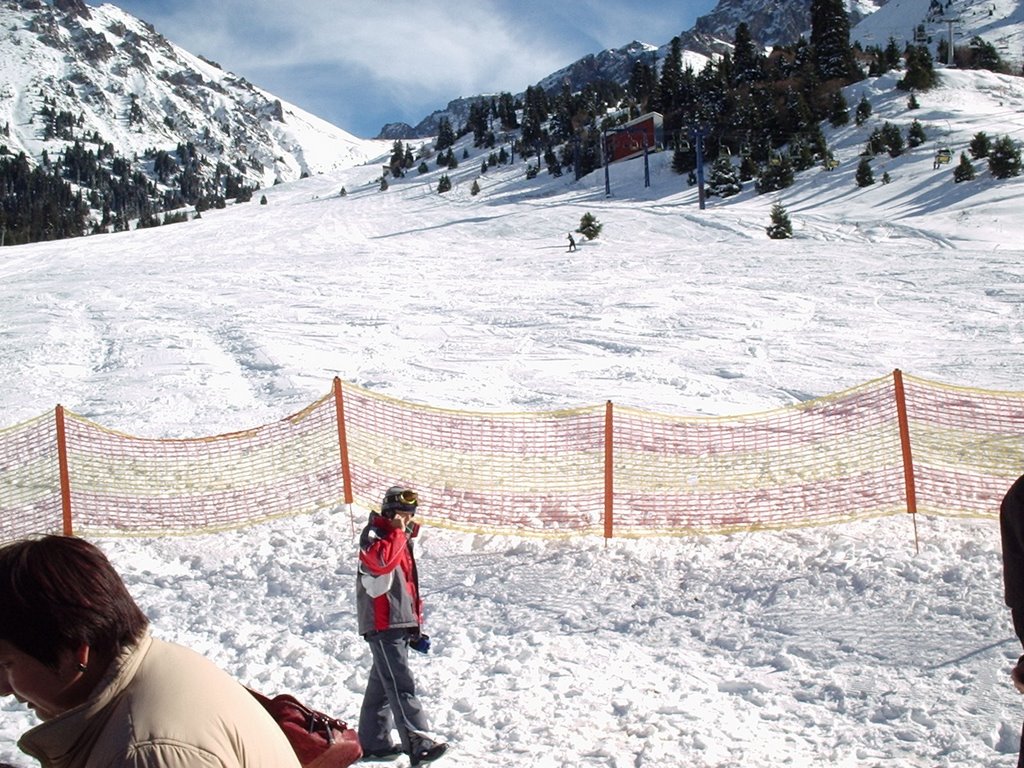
[
  {"x": 572, "y": 243},
  {"x": 1011, "y": 532}
]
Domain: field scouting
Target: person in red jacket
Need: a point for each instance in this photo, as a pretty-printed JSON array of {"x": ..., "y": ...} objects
[{"x": 390, "y": 615}]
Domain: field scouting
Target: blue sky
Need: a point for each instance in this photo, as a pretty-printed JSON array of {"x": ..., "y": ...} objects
[{"x": 363, "y": 64}]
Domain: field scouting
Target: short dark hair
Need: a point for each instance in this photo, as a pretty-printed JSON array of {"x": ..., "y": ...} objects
[{"x": 60, "y": 592}]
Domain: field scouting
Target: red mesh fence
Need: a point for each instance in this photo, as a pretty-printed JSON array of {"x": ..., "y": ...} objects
[
  {"x": 30, "y": 497},
  {"x": 127, "y": 485},
  {"x": 831, "y": 459},
  {"x": 600, "y": 469},
  {"x": 968, "y": 446},
  {"x": 533, "y": 472}
]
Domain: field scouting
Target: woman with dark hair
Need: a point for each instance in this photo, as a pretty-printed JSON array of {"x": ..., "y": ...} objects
[{"x": 76, "y": 649}]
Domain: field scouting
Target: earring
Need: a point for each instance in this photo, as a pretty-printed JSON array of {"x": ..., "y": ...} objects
[{"x": 82, "y": 667}]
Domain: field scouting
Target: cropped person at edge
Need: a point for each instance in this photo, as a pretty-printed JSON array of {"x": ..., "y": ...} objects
[
  {"x": 75, "y": 647},
  {"x": 1011, "y": 532}
]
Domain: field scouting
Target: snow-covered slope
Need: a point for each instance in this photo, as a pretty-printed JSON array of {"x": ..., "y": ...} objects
[{"x": 999, "y": 22}]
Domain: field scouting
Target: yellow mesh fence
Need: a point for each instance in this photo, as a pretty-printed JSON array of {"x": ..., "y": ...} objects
[
  {"x": 531, "y": 472},
  {"x": 968, "y": 446},
  {"x": 831, "y": 459},
  {"x": 599, "y": 469},
  {"x": 30, "y": 499},
  {"x": 128, "y": 485}
]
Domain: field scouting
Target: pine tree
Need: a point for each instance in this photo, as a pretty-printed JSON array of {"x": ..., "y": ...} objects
[
  {"x": 589, "y": 226},
  {"x": 684, "y": 158},
  {"x": 980, "y": 145},
  {"x": 444, "y": 184},
  {"x": 445, "y": 134},
  {"x": 964, "y": 171},
  {"x": 778, "y": 174},
  {"x": 893, "y": 139},
  {"x": 748, "y": 61},
  {"x": 920, "y": 76},
  {"x": 830, "y": 41},
  {"x": 397, "y": 159},
  {"x": 643, "y": 82},
  {"x": 863, "y": 111},
  {"x": 982, "y": 54},
  {"x": 724, "y": 179},
  {"x": 916, "y": 135},
  {"x": 670, "y": 86},
  {"x": 781, "y": 227},
  {"x": 1004, "y": 159},
  {"x": 864, "y": 177},
  {"x": 839, "y": 113}
]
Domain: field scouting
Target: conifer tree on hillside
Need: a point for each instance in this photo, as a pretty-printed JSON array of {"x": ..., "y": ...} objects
[
  {"x": 920, "y": 75},
  {"x": 724, "y": 179},
  {"x": 1004, "y": 158},
  {"x": 535, "y": 114},
  {"x": 777, "y": 174},
  {"x": 781, "y": 227},
  {"x": 507, "y": 112},
  {"x": 916, "y": 135},
  {"x": 863, "y": 110},
  {"x": 748, "y": 63},
  {"x": 980, "y": 145},
  {"x": 684, "y": 157},
  {"x": 830, "y": 41},
  {"x": 839, "y": 113},
  {"x": 670, "y": 86},
  {"x": 445, "y": 134},
  {"x": 979, "y": 54},
  {"x": 964, "y": 171},
  {"x": 641, "y": 88},
  {"x": 589, "y": 226},
  {"x": 864, "y": 177}
]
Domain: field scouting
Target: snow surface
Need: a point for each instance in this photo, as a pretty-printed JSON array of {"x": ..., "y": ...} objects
[{"x": 839, "y": 645}]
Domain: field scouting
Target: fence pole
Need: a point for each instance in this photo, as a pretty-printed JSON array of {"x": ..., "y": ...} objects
[
  {"x": 346, "y": 472},
  {"x": 908, "y": 458},
  {"x": 65, "y": 477},
  {"x": 609, "y": 454}
]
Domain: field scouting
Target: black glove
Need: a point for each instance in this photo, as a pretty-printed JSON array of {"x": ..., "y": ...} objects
[{"x": 420, "y": 642}]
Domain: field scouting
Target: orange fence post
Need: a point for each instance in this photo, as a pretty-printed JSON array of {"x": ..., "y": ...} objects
[
  {"x": 65, "y": 478},
  {"x": 346, "y": 474},
  {"x": 609, "y": 455},
  {"x": 908, "y": 459}
]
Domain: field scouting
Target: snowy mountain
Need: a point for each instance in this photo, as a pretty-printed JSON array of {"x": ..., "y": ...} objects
[
  {"x": 771, "y": 22},
  {"x": 101, "y": 73}
]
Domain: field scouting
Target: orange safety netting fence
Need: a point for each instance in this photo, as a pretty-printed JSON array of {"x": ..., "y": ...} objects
[{"x": 895, "y": 444}]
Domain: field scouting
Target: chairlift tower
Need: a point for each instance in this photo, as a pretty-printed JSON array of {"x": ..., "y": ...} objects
[{"x": 949, "y": 46}]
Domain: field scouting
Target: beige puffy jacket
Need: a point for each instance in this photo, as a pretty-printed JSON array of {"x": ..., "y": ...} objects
[{"x": 162, "y": 706}]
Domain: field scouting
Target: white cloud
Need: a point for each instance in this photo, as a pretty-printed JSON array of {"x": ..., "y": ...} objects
[{"x": 415, "y": 47}]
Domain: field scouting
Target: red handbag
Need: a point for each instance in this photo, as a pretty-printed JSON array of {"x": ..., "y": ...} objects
[{"x": 319, "y": 740}]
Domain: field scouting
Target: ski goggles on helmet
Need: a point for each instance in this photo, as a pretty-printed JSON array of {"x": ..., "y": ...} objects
[{"x": 399, "y": 500}]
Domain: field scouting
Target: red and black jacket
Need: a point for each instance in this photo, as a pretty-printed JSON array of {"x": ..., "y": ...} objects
[{"x": 387, "y": 585}]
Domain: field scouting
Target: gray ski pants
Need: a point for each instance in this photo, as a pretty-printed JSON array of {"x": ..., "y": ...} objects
[{"x": 390, "y": 695}]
